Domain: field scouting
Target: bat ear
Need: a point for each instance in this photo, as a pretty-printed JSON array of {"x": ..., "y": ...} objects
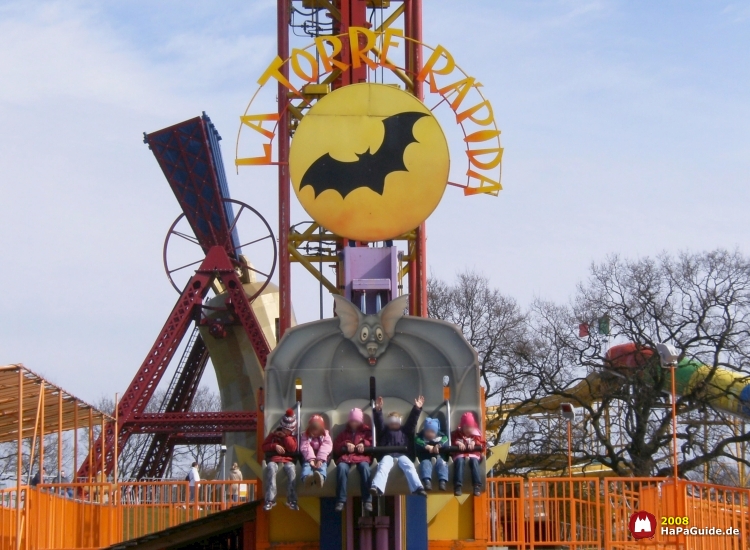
[
  {"x": 349, "y": 315},
  {"x": 392, "y": 312}
]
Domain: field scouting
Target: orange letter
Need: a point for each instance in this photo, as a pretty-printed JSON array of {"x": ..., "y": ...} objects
[
  {"x": 469, "y": 113},
  {"x": 430, "y": 71},
  {"x": 462, "y": 87},
  {"x": 481, "y": 135},
  {"x": 360, "y": 54},
  {"x": 273, "y": 72},
  {"x": 473, "y": 154},
  {"x": 388, "y": 42},
  {"x": 250, "y": 120},
  {"x": 250, "y": 161},
  {"x": 296, "y": 54},
  {"x": 492, "y": 188},
  {"x": 328, "y": 59}
]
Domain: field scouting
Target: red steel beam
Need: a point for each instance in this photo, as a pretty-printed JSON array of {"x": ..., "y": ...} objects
[
  {"x": 285, "y": 273},
  {"x": 196, "y": 439},
  {"x": 421, "y": 278},
  {"x": 194, "y": 422},
  {"x": 216, "y": 264},
  {"x": 418, "y": 265}
]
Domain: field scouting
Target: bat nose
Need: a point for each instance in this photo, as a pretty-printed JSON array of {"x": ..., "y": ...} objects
[{"x": 372, "y": 348}]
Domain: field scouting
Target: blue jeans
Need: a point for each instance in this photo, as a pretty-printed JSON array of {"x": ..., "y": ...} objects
[
  {"x": 342, "y": 477},
  {"x": 458, "y": 471},
  {"x": 308, "y": 470},
  {"x": 425, "y": 469},
  {"x": 406, "y": 465}
]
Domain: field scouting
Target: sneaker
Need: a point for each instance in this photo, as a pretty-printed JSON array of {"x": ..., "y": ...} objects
[
  {"x": 457, "y": 491},
  {"x": 368, "y": 506},
  {"x": 292, "y": 505},
  {"x": 427, "y": 484},
  {"x": 339, "y": 506},
  {"x": 442, "y": 485},
  {"x": 477, "y": 490},
  {"x": 374, "y": 491},
  {"x": 268, "y": 505},
  {"x": 421, "y": 492},
  {"x": 318, "y": 479},
  {"x": 308, "y": 481}
]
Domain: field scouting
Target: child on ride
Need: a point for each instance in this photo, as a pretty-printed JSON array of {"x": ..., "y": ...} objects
[
  {"x": 281, "y": 444},
  {"x": 315, "y": 446},
  {"x": 469, "y": 441},
  {"x": 392, "y": 433},
  {"x": 348, "y": 451},
  {"x": 428, "y": 444}
]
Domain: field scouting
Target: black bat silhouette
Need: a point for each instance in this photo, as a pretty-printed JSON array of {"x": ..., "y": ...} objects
[{"x": 370, "y": 169}]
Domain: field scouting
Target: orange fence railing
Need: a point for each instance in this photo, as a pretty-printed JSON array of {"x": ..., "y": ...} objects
[
  {"x": 575, "y": 513},
  {"x": 569, "y": 513},
  {"x": 95, "y": 515}
]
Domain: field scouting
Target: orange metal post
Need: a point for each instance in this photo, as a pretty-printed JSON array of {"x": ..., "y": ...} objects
[
  {"x": 481, "y": 503},
  {"x": 91, "y": 455},
  {"x": 33, "y": 439},
  {"x": 117, "y": 431},
  {"x": 41, "y": 431},
  {"x": 19, "y": 458},
  {"x": 104, "y": 452},
  {"x": 674, "y": 438},
  {"x": 59, "y": 431},
  {"x": 674, "y": 425},
  {"x": 75, "y": 444},
  {"x": 571, "y": 496}
]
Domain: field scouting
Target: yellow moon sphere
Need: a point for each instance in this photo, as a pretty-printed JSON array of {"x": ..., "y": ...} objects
[{"x": 369, "y": 162}]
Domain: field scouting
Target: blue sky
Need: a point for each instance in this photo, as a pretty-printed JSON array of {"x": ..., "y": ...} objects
[{"x": 626, "y": 127}]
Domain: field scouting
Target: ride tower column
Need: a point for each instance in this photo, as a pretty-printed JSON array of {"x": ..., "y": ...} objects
[
  {"x": 405, "y": 516},
  {"x": 343, "y": 14}
]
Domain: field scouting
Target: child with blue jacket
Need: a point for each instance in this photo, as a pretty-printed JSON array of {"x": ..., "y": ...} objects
[{"x": 427, "y": 445}]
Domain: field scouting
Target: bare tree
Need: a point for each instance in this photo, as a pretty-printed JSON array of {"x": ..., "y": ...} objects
[
  {"x": 207, "y": 456},
  {"x": 698, "y": 302},
  {"x": 489, "y": 320}
]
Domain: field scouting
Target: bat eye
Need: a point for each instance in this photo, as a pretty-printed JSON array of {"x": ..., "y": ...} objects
[
  {"x": 379, "y": 334},
  {"x": 364, "y": 334}
]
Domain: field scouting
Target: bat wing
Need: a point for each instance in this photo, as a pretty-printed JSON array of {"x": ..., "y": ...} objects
[
  {"x": 370, "y": 169},
  {"x": 328, "y": 173},
  {"x": 399, "y": 134}
]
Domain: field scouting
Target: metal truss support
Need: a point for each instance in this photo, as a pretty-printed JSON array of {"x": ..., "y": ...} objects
[{"x": 216, "y": 265}]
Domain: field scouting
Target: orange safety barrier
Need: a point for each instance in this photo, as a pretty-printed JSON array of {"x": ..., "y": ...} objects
[
  {"x": 575, "y": 513},
  {"x": 570, "y": 513},
  {"x": 96, "y": 515}
]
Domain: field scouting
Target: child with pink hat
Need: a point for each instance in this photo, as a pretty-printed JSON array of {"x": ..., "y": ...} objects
[
  {"x": 315, "y": 446},
  {"x": 471, "y": 445},
  {"x": 348, "y": 450}
]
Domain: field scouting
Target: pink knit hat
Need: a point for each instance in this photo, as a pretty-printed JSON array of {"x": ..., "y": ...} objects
[
  {"x": 316, "y": 419},
  {"x": 356, "y": 415},
  {"x": 468, "y": 420}
]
